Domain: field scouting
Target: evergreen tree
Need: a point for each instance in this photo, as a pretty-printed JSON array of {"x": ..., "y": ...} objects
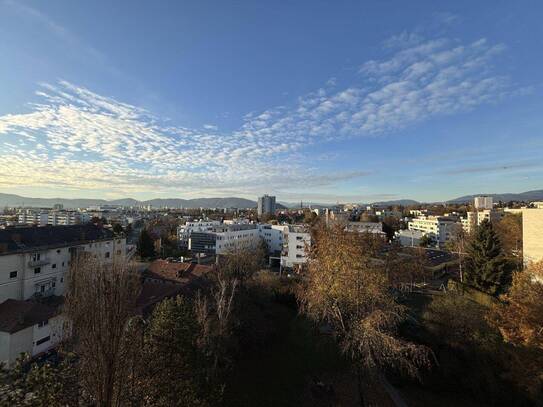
[
  {"x": 117, "y": 228},
  {"x": 173, "y": 365},
  {"x": 146, "y": 246},
  {"x": 487, "y": 269}
]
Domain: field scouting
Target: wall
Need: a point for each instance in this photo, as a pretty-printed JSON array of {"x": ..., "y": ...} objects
[{"x": 532, "y": 234}]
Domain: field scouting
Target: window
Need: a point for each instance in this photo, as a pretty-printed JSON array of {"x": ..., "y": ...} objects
[
  {"x": 37, "y": 270},
  {"x": 61, "y": 279},
  {"x": 43, "y": 340},
  {"x": 36, "y": 257},
  {"x": 53, "y": 284},
  {"x": 107, "y": 255},
  {"x": 43, "y": 323},
  {"x": 13, "y": 274},
  {"x": 118, "y": 252},
  {"x": 62, "y": 264},
  {"x": 58, "y": 250},
  {"x": 53, "y": 266}
]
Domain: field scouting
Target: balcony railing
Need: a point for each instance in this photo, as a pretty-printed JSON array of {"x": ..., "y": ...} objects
[{"x": 37, "y": 263}]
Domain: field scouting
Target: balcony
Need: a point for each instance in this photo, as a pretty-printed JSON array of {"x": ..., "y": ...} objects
[{"x": 37, "y": 263}]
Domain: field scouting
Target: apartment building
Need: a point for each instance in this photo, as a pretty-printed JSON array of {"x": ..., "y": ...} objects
[
  {"x": 266, "y": 205},
  {"x": 184, "y": 231},
  {"x": 440, "y": 228},
  {"x": 474, "y": 219},
  {"x": 35, "y": 261},
  {"x": 532, "y": 235},
  {"x": 297, "y": 242},
  {"x": 34, "y": 266},
  {"x": 409, "y": 238},
  {"x": 483, "y": 202},
  {"x": 53, "y": 218}
]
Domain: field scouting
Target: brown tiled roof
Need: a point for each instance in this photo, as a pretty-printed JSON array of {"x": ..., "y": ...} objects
[
  {"x": 180, "y": 273},
  {"x": 16, "y": 315}
]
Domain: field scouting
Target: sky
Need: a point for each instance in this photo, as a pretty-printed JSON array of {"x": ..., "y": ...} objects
[{"x": 343, "y": 101}]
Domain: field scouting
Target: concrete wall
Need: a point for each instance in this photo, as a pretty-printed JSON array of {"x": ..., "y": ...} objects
[{"x": 532, "y": 234}]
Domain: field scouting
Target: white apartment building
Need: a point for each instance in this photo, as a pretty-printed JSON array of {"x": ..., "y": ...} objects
[
  {"x": 184, "y": 231},
  {"x": 532, "y": 235},
  {"x": 474, "y": 219},
  {"x": 34, "y": 266},
  {"x": 297, "y": 242},
  {"x": 483, "y": 202},
  {"x": 53, "y": 218},
  {"x": 409, "y": 238},
  {"x": 236, "y": 237},
  {"x": 440, "y": 228},
  {"x": 375, "y": 228},
  {"x": 28, "y": 327},
  {"x": 30, "y": 217}
]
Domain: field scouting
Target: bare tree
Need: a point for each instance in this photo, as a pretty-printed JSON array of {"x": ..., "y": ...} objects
[
  {"x": 347, "y": 288},
  {"x": 213, "y": 314},
  {"x": 241, "y": 263},
  {"x": 100, "y": 305}
]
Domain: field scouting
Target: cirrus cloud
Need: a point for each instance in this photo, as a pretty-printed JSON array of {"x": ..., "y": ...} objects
[{"x": 75, "y": 138}]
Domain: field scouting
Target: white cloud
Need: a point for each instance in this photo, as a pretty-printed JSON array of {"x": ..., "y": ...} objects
[{"x": 79, "y": 139}]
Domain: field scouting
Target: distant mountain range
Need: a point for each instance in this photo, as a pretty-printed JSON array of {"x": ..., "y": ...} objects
[
  {"x": 232, "y": 202},
  {"x": 536, "y": 195},
  {"x": 16, "y": 200}
]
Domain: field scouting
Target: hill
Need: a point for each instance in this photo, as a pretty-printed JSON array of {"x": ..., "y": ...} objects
[
  {"x": 536, "y": 195},
  {"x": 232, "y": 202}
]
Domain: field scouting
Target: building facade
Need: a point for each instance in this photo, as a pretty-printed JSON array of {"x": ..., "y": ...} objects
[
  {"x": 266, "y": 205},
  {"x": 34, "y": 267},
  {"x": 532, "y": 235},
  {"x": 296, "y": 246},
  {"x": 483, "y": 202},
  {"x": 439, "y": 228}
]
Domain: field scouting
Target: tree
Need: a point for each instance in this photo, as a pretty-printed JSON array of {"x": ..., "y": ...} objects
[
  {"x": 347, "y": 289},
  {"x": 391, "y": 225},
  {"x": 310, "y": 217},
  {"x": 38, "y": 385},
  {"x": 519, "y": 316},
  {"x": 406, "y": 267},
  {"x": 117, "y": 228},
  {"x": 146, "y": 246},
  {"x": 457, "y": 244},
  {"x": 241, "y": 263},
  {"x": 509, "y": 231},
  {"x": 173, "y": 367},
  {"x": 426, "y": 241},
  {"x": 100, "y": 304},
  {"x": 487, "y": 269},
  {"x": 213, "y": 314},
  {"x": 457, "y": 320}
]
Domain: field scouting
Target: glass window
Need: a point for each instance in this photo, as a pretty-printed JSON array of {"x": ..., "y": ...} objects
[
  {"x": 13, "y": 274},
  {"x": 37, "y": 270},
  {"x": 43, "y": 340}
]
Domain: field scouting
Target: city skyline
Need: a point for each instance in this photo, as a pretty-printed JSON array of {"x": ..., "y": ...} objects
[{"x": 426, "y": 103}]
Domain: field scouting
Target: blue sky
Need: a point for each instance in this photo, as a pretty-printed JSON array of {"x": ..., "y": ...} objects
[{"x": 315, "y": 100}]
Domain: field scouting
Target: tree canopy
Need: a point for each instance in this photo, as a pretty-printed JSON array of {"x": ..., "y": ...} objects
[{"x": 487, "y": 269}]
